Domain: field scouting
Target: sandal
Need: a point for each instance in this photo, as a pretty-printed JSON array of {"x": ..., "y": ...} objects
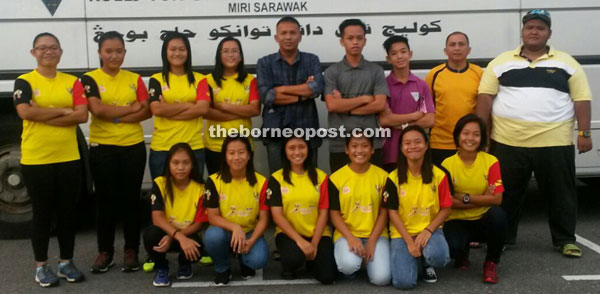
[{"x": 570, "y": 250}]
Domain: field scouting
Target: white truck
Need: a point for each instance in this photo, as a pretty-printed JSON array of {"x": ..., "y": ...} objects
[{"x": 493, "y": 27}]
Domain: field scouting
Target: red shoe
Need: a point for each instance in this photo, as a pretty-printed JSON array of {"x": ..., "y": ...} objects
[{"x": 489, "y": 272}]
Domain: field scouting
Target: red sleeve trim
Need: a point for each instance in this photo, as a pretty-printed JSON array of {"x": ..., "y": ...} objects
[
  {"x": 202, "y": 91},
  {"x": 254, "y": 95},
  {"x": 495, "y": 178},
  {"x": 142, "y": 92},
  {"x": 263, "y": 196},
  {"x": 324, "y": 197},
  {"x": 201, "y": 214},
  {"x": 444, "y": 193},
  {"x": 78, "y": 94}
]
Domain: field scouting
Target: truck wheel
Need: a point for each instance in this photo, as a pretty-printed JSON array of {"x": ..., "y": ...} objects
[{"x": 15, "y": 205}]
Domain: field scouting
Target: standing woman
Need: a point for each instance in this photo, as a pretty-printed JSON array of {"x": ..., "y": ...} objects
[
  {"x": 51, "y": 104},
  {"x": 118, "y": 102},
  {"x": 178, "y": 99},
  {"x": 476, "y": 213},
  {"x": 355, "y": 210},
  {"x": 177, "y": 215},
  {"x": 238, "y": 216},
  {"x": 236, "y": 98},
  {"x": 298, "y": 197},
  {"x": 417, "y": 196}
]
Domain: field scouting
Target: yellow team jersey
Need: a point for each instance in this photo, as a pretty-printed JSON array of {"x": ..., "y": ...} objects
[
  {"x": 358, "y": 198},
  {"x": 417, "y": 203},
  {"x": 301, "y": 201},
  {"x": 121, "y": 90},
  {"x": 168, "y": 132},
  {"x": 455, "y": 95},
  {"x": 473, "y": 179},
  {"x": 186, "y": 207},
  {"x": 238, "y": 202},
  {"x": 232, "y": 92},
  {"x": 43, "y": 143}
]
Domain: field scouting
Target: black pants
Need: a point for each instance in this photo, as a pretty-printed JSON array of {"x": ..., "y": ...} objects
[
  {"x": 213, "y": 161},
  {"x": 118, "y": 172},
  {"x": 323, "y": 267},
  {"x": 554, "y": 169},
  {"x": 490, "y": 228},
  {"x": 438, "y": 155},
  {"x": 337, "y": 160},
  {"x": 153, "y": 235},
  {"x": 53, "y": 189}
]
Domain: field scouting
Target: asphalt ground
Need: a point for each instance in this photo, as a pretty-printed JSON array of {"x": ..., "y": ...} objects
[{"x": 532, "y": 266}]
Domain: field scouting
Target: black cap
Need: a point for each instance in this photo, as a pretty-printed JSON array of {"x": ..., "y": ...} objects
[{"x": 540, "y": 14}]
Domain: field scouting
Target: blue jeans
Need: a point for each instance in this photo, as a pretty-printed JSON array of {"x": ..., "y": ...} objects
[
  {"x": 405, "y": 267},
  {"x": 157, "y": 159},
  {"x": 217, "y": 242},
  {"x": 378, "y": 269}
]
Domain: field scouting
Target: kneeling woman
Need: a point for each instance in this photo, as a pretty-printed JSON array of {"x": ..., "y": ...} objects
[
  {"x": 417, "y": 196},
  {"x": 354, "y": 207},
  {"x": 235, "y": 202},
  {"x": 298, "y": 196},
  {"x": 476, "y": 214},
  {"x": 177, "y": 214}
]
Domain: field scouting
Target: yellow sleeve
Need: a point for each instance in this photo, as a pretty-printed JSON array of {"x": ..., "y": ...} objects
[
  {"x": 489, "y": 81},
  {"x": 578, "y": 84}
]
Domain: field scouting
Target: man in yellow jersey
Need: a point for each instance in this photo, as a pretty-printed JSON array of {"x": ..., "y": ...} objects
[
  {"x": 453, "y": 86},
  {"x": 537, "y": 93}
]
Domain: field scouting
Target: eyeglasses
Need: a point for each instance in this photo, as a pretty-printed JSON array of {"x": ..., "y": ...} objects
[
  {"x": 539, "y": 12},
  {"x": 44, "y": 49}
]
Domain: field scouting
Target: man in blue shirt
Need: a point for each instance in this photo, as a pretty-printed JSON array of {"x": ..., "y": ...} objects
[{"x": 288, "y": 82}]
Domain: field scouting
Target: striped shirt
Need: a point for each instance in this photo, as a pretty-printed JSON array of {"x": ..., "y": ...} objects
[{"x": 534, "y": 103}]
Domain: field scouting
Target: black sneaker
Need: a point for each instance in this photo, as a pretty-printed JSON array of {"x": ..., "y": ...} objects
[
  {"x": 246, "y": 272},
  {"x": 429, "y": 275},
  {"x": 103, "y": 262},
  {"x": 223, "y": 278}
]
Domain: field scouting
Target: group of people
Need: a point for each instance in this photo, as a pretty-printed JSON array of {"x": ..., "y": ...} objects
[{"x": 400, "y": 206}]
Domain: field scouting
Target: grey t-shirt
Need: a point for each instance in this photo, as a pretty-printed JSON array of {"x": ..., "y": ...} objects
[{"x": 365, "y": 79}]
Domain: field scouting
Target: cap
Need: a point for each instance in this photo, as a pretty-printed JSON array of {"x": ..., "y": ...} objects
[{"x": 540, "y": 14}]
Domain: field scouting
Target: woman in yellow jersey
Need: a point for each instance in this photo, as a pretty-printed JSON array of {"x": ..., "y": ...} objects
[
  {"x": 298, "y": 197},
  {"x": 476, "y": 213},
  {"x": 179, "y": 97},
  {"x": 417, "y": 196},
  {"x": 236, "y": 99},
  {"x": 51, "y": 104},
  {"x": 361, "y": 233},
  {"x": 118, "y": 102},
  {"x": 238, "y": 215},
  {"x": 177, "y": 215}
]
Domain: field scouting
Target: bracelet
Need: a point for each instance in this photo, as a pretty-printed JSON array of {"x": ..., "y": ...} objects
[
  {"x": 299, "y": 98},
  {"x": 174, "y": 233},
  {"x": 428, "y": 230}
]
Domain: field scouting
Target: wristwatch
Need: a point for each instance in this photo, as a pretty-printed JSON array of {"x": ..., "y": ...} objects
[
  {"x": 585, "y": 133},
  {"x": 466, "y": 198}
]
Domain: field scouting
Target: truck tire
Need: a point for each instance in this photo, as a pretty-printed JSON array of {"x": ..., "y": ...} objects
[{"x": 15, "y": 204}]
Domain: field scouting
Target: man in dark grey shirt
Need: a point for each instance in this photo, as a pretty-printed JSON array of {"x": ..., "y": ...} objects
[{"x": 355, "y": 91}]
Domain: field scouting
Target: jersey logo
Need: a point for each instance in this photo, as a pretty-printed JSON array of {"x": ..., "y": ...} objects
[
  {"x": 433, "y": 188},
  {"x": 165, "y": 88},
  {"x": 346, "y": 190},
  {"x": 87, "y": 88},
  {"x": 386, "y": 195},
  {"x": 485, "y": 177},
  {"x": 222, "y": 197},
  {"x": 303, "y": 210},
  {"x": 498, "y": 183},
  {"x": 70, "y": 90},
  {"x": 269, "y": 192},
  {"x": 255, "y": 194},
  {"x": 402, "y": 192},
  {"x": 152, "y": 92},
  {"x": 17, "y": 94},
  {"x": 207, "y": 194},
  {"x": 284, "y": 190},
  {"x": 378, "y": 189},
  {"x": 132, "y": 87},
  {"x": 216, "y": 91},
  {"x": 415, "y": 96},
  {"x": 317, "y": 188},
  {"x": 37, "y": 92},
  {"x": 550, "y": 71},
  {"x": 362, "y": 208},
  {"x": 153, "y": 199},
  {"x": 419, "y": 211}
]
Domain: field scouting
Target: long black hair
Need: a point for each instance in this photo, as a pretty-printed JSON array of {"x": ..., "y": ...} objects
[
  {"x": 426, "y": 167},
  {"x": 194, "y": 172},
  {"x": 109, "y": 36},
  {"x": 308, "y": 164},
  {"x": 225, "y": 172},
  {"x": 217, "y": 72},
  {"x": 166, "y": 66}
]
